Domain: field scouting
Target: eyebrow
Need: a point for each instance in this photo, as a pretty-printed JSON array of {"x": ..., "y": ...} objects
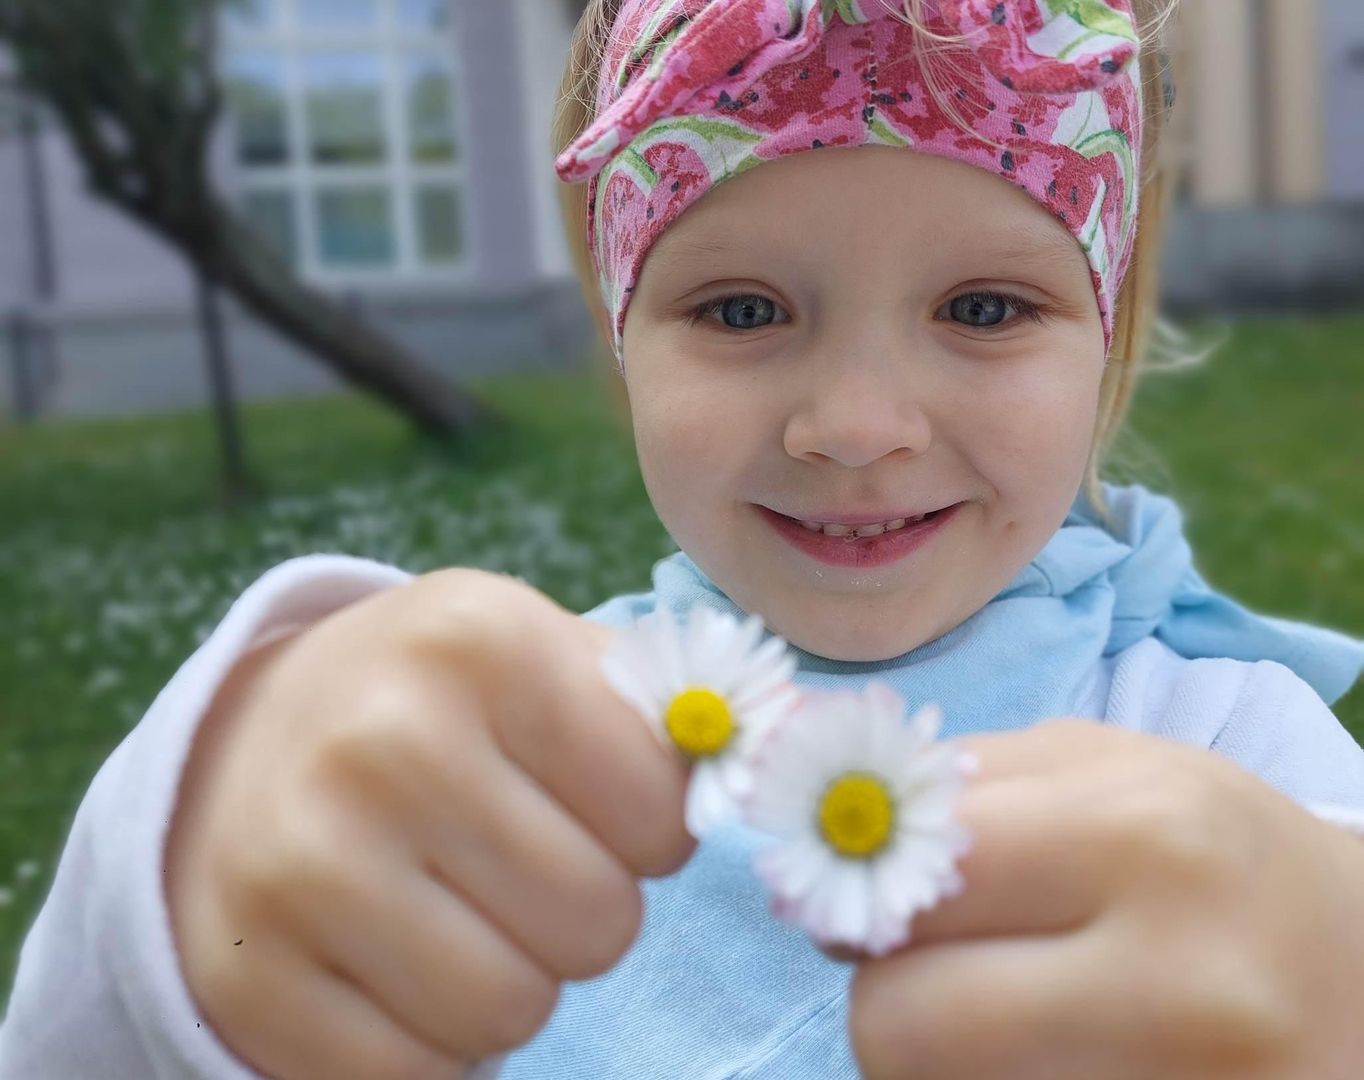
[
  {"x": 1028, "y": 244},
  {"x": 698, "y": 248},
  {"x": 1045, "y": 245}
]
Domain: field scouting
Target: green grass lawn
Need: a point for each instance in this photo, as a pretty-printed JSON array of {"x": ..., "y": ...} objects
[{"x": 115, "y": 559}]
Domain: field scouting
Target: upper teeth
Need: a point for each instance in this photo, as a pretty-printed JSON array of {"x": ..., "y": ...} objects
[{"x": 833, "y": 528}]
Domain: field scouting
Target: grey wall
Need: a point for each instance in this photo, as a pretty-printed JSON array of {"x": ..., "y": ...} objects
[
  {"x": 503, "y": 226},
  {"x": 119, "y": 364},
  {"x": 105, "y": 261},
  {"x": 1265, "y": 258},
  {"x": 14, "y": 283},
  {"x": 1343, "y": 75}
]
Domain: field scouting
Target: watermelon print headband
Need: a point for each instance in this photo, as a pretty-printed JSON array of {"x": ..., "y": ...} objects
[{"x": 1044, "y": 93}]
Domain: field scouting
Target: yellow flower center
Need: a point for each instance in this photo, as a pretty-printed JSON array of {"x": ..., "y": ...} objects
[
  {"x": 856, "y": 815},
  {"x": 699, "y": 722}
]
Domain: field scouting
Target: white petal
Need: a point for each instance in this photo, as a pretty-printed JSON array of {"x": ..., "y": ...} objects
[
  {"x": 886, "y": 933},
  {"x": 709, "y": 660},
  {"x": 781, "y": 696},
  {"x": 667, "y": 640},
  {"x": 832, "y": 913},
  {"x": 757, "y": 724},
  {"x": 767, "y": 669},
  {"x": 641, "y": 650},
  {"x": 851, "y": 906},
  {"x": 627, "y": 682},
  {"x": 792, "y": 870},
  {"x": 736, "y": 775},
  {"x": 708, "y": 804},
  {"x": 863, "y": 903},
  {"x": 926, "y": 723},
  {"x": 883, "y": 702},
  {"x": 746, "y": 634},
  {"x": 779, "y": 809}
]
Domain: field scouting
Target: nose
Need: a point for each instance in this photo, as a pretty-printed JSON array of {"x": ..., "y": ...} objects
[{"x": 858, "y": 411}]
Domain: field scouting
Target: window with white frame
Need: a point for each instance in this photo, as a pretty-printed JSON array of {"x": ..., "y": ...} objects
[{"x": 346, "y": 134}]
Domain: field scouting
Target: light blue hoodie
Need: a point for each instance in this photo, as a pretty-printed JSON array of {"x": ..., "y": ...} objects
[{"x": 714, "y": 987}]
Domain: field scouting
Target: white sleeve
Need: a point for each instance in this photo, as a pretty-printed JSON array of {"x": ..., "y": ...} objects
[
  {"x": 1260, "y": 715},
  {"x": 1282, "y": 731},
  {"x": 1346, "y": 817},
  {"x": 98, "y": 992}
]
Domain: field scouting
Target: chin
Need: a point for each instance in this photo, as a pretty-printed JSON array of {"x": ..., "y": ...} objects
[{"x": 854, "y": 640}]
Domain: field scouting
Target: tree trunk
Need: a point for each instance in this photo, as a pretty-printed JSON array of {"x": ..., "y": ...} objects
[
  {"x": 373, "y": 361},
  {"x": 236, "y": 481}
]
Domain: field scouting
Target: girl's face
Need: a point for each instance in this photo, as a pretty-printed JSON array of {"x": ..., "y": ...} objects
[{"x": 855, "y": 337}]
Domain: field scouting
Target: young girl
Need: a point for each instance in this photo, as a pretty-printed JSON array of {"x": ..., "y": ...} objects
[{"x": 877, "y": 281}]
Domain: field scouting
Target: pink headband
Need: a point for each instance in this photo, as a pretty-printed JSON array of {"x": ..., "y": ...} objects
[{"x": 694, "y": 92}]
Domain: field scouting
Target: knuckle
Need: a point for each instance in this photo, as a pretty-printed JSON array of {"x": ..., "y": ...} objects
[
  {"x": 1228, "y": 1015},
  {"x": 376, "y": 739},
  {"x": 486, "y": 628},
  {"x": 409, "y": 1061},
  {"x": 468, "y": 612},
  {"x": 516, "y": 1008},
  {"x": 293, "y": 864},
  {"x": 1171, "y": 824},
  {"x": 615, "y": 914},
  {"x": 667, "y": 848},
  {"x": 652, "y": 838}
]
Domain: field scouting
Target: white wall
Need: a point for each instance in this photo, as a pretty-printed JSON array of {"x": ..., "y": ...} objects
[
  {"x": 543, "y": 32},
  {"x": 106, "y": 261}
]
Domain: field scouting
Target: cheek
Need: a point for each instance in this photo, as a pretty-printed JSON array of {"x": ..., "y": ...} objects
[
  {"x": 681, "y": 455},
  {"x": 669, "y": 439},
  {"x": 1036, "y": 427}
]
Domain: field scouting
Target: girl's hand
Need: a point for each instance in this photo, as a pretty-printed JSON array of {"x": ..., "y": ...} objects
[
  {"x": 400, "y": 831},
  {"x": 1134, "y": 909}
]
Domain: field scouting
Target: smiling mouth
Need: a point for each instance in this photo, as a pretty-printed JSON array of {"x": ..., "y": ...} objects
[
  {"x": 860, "y": 545},
  {"x": 858, "y": 532}
]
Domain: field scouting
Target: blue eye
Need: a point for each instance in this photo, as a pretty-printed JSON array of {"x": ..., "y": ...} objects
[
  {"x": 740, "y": 311},
  {"x": 978, "y": 310},
  {"x": 983, "y": 310}
]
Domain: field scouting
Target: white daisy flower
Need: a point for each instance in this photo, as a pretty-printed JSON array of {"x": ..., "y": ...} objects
[
  {"x": 860, "y": 803},
  {"x": 710, "y": 690}
]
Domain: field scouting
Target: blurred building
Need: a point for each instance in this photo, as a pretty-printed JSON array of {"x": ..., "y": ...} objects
[
  {"x": 1269, "y": 144},
  {"x": 397, "y": 151}
]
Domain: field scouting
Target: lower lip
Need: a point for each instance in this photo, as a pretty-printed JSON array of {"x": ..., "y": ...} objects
[{"x": 864, "y": 552}]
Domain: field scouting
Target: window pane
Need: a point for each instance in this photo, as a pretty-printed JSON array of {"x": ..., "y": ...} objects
[
  {"x": 271, "y": 215},
  {"x": 430, "y": 109},
  {"x": 438, "y": 224},
  {"x": 255, "y": 87},
  {"x": 343, "y": 92},
  {"x": 423, "y": 14},
  {"x": 252, "y": 14},
  {"x": 354, "y": 227},
  {"x": 338, "y": 14}
]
